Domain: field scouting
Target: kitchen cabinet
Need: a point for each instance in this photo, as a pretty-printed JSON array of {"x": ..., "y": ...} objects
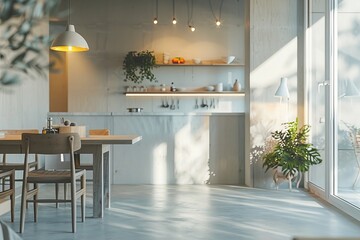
[{"x": 177, "y": 148}]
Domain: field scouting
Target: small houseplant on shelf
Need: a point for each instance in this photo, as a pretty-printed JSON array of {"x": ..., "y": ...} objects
[
  {"x": 138, "y": 66},
  {"x": 290, "y": 152}
]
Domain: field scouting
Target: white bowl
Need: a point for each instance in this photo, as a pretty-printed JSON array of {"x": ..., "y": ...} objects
[
  {"x": 210, "y": 88},
  {"x": 230, "y": 59},
  {"x": 197, "y": 60}
]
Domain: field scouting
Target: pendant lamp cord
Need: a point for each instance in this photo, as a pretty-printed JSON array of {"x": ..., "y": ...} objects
[
  {"x": 156, "y": 5},
  {"x": 190, "y": 11},
  {"x": 173, "y": 8},
  {"x": 69, "y": 9},
  {"x": 220, "y": 9}
]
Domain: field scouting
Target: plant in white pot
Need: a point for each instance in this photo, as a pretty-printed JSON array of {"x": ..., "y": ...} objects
[{"x": 291, "y": 152}]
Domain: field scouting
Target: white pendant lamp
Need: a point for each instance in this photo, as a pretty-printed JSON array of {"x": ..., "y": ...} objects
[
  {"x": 69, "y": 41},
  {"x": 283, "y": 90}
]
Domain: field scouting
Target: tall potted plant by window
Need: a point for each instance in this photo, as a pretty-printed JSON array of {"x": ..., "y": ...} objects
[
  {"x": 138, "y": 66},
  {"x": 291, "y": 152}
]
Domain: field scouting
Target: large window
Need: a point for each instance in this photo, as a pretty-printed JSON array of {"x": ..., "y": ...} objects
[{"x": 334, "y": 77}]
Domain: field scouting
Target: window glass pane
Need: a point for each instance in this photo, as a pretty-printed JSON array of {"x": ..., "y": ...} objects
[
  {"x": 317, "y": 78},
  {"x": 348, "y": 121}
]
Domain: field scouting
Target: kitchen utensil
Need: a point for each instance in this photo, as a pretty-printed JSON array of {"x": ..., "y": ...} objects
[
  {"x": 219, "y": 87},
  {"x": 134, "y": 109}
]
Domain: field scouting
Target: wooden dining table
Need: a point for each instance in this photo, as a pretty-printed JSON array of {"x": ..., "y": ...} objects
[{"x": 99, "y": 147}]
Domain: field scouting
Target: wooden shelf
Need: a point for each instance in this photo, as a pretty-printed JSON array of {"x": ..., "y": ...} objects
[
  {"x": 200, "y": 65},
  {"x": 184, "y": 94}
]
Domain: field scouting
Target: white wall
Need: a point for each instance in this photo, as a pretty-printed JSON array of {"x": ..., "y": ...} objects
[
  {"x": 113, "y": 28},
  {"x": 273, "y": 54}
]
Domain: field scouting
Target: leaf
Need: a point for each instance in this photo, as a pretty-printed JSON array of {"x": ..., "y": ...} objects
[{"x": 9, "y": 79}]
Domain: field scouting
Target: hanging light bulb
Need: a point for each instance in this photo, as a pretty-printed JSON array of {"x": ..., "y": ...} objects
[
  {"x": 69, "y": 41},
  {"x": 155, "y": 21},
  {"x": 174, "y": 21},
  {"x": 218, "y": 23},
  {"x": 192, "y": 28}
]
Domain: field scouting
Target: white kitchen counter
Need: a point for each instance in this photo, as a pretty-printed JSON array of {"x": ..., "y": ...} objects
[
  {"x": 176, "y": 148},
  {"x": 60, "y": 114}
]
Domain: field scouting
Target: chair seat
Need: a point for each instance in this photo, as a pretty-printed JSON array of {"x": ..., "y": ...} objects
[{"x": 49, "y": 176}]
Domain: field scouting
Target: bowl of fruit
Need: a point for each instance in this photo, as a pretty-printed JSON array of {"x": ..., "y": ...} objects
[{"x": 178, "y": 60}]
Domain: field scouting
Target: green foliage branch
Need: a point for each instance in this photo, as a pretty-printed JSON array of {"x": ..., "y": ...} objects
[{"x": 138, "y": 66}]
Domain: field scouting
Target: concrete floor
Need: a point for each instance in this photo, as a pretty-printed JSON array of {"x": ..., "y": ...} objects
[{"x": 194, "y": 212}]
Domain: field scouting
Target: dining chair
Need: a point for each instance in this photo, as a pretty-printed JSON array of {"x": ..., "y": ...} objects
[
  {"x": 5, "y": 165},
  {"x": 8, "y": 192},
  {"x": 52, "y": 144},
  {"x": 86, "y": 166},
  {"x": 92, "y": 132}
]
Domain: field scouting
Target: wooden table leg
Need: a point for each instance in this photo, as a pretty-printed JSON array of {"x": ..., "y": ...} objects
[
  {"x": 107, "y": 191},
  {"x": 101, "y": 176},
  {"x": 98, "y": 180}
]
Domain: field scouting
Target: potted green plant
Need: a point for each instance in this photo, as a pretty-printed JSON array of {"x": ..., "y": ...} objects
[
  {"x": 138, "y": 66},
  {"x": 291, "y": 152}
]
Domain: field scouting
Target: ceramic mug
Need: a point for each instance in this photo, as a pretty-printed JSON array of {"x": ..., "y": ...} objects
[{"x": 219, "y": 87}]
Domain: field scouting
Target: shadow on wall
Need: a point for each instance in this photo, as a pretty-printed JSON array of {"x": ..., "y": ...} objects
[
  {"x": 191, "y": 153},
  {"x": 184, "y": 158}
]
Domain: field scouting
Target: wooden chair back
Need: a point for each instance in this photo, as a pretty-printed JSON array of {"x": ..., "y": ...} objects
[
  {"x": 50, "y": 143},
  {"x": 19, "y": 131},
  {"x": 99, "y": 132}
]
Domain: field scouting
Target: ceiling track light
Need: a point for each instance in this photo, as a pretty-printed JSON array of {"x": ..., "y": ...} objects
[
  {"x": 156, "y": 12},
  {"x": 69, "y": 41},
  {"x": 217, "y": 20}
]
